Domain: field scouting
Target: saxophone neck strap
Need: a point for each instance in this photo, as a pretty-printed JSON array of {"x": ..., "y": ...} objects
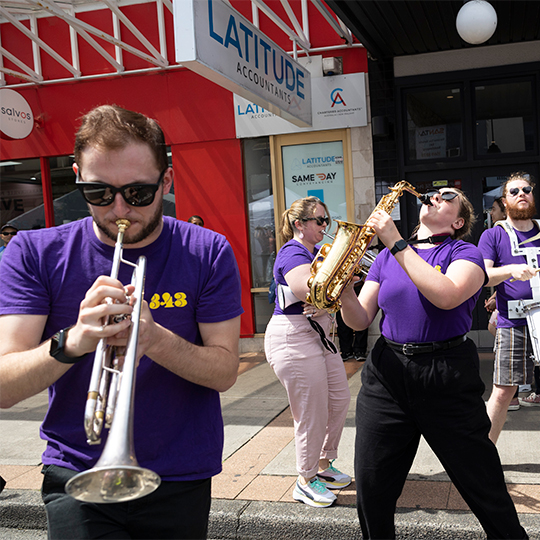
[{"x": 435, "y": 239}]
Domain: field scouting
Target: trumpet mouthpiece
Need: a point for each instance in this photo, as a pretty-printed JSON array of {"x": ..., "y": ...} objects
[{"x": 123, "y": 224}]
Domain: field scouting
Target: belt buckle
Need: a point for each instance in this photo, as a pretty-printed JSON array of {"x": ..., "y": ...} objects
[{"x": 407, "y": 349}]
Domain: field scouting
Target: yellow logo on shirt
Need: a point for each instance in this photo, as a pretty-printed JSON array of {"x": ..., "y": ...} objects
[
  {"x": 438, "y": 268},
  {"x": 167, "y": 300}
]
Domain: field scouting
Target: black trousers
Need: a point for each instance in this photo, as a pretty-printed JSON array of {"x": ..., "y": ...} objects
[
  {"x": 350, "y": 341},
  {"x": 174, "y": 510},
  {"x": 437, "y": 395}
]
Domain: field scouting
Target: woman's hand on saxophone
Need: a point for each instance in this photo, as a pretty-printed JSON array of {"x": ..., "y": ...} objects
[{"x": 385, "y": 228}]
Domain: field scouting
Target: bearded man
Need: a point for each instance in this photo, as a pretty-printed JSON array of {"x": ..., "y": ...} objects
[
  {"x": 510, "y": 254},
  {"x": 57, "y": 295}
]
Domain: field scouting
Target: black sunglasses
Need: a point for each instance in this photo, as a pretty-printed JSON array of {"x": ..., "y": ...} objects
[
  {"x": 445, "y": 195},
  {"x": 101, "y": 194},
  {"x": 320, "y": 220},
  {"x": 9, "y": 233},
  {"x": 515, "y": 190}
]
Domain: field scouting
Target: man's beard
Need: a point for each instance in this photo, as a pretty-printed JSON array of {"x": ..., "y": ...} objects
[
  {"x": 145, "y": 232},
  {"x": 521, "y": 214}
]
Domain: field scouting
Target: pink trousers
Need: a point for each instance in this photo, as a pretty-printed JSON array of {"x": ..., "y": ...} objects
[{"x": 316, "y": 385}]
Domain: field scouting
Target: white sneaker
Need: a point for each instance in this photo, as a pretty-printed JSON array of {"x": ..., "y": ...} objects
[
  {"x": 525, "y": 388},
  {"x": 313, "y": 493},
  {"x": 334, "y": 479}
]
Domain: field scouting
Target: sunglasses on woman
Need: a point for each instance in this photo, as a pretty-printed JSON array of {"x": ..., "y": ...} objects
[
  {"x": 515, "y": 190},
  {"x": 445, "y": 195},
  {"x": 320, "y": 220},
  {"x": 101, "y": 194}
]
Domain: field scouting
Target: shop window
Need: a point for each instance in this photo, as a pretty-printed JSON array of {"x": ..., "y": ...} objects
[
  {"x": 68, "y": 203},
  {"x": 504, "y": 118},
  {"x": 262, "y": 233},
  {"x": 434, "y": 124},
  {"x": 21, "y": 195}
]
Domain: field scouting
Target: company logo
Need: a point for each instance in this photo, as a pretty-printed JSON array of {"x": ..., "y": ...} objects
[
  {"x": 16, "y": 118},
  {"x": 313, "y": 177},
  {"x": 335, "y": 96}
]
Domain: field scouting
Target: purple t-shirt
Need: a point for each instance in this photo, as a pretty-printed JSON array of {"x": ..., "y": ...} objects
[
  {"x": 407, "y": 316},
  {"x": 291, "y": 255},
  {"x": 495, "y": 246},
  {"x": 191, "y": 277}
]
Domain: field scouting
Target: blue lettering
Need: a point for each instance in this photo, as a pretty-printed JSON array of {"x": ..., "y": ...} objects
[
  {"x": 266, "y": 48},
  {"x": 234, "y": 41},
  {"x": 299, "y": 84},
  {"x": 289, "y": 67},
  {"x": 247, "y": 34},
  {"x": 213, "y": 35},
  {"x": 280, "y": 78},
  {"x": 256, "y": 51},
  {"x": 249, "y": 109}
]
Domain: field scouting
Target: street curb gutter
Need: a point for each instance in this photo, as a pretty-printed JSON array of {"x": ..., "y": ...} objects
[{"x": 258, "y": 520}]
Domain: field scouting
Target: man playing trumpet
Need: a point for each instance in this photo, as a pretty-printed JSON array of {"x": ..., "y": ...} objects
[
  {"x": 56, "y": 296},
  {"x": 510, "y": 252}
]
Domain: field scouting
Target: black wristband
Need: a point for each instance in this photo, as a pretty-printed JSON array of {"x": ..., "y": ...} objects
[
  {"x": 400, "y": 245},
  {"x": 58, "y": 342}
]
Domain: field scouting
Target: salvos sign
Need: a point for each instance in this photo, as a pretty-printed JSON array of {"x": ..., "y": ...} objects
[
  {"x": 217, "y": 42},
  {"x": 16, "y": 117}
]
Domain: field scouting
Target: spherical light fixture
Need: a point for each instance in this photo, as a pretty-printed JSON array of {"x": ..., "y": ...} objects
[{"x": 476, "y": 21}]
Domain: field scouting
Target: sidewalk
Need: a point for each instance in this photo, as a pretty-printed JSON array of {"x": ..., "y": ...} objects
[{"x": 253, "y": 494}]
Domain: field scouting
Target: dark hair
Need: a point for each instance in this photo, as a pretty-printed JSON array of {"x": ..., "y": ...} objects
[
  {"x": 519, "y": 175},
  {"x": 466, "y": 211},
  {"x": 195, "y": 216},
  {"x": 300, "y": 209},
  {"x": 500, "y": 204},
  {"x": 112, "y": 128}
]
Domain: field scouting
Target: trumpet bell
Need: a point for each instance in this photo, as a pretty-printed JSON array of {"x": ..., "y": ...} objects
[{"x": 113, "y": 484}]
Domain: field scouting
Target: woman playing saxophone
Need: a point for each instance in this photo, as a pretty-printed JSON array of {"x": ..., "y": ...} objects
[{"x": 422, "y": 376}]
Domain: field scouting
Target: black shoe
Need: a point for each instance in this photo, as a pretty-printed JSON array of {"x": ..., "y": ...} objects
[
  {"x": 347, "y": 356},
  {"x": 360, "y": 356},
  {"x": 2, "y": 484}
]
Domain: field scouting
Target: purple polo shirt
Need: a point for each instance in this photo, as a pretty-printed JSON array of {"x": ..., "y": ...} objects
[
  {"x": 495, "y": 246},
  {"x": 192, "y": 277},
  {"x": 407, "y": 316},
  {"x": 291, "y": 255}
]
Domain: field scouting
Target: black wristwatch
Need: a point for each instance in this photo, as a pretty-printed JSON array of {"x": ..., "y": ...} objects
[
  {"x": 400, "y": 245},
  {"x": 58, "y": 342}
]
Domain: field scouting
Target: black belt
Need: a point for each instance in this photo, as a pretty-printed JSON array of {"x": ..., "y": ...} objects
[{"x": 409, "y": 349}]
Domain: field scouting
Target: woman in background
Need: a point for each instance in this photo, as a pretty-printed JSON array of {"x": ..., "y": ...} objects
[{"x": 304, "y": 360}]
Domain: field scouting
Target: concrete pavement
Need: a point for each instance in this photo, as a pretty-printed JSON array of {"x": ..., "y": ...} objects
[{"x": 252, "y": 497}]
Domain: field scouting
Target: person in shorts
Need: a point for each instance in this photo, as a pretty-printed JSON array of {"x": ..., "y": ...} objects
[{"x": 511, "y": 272}]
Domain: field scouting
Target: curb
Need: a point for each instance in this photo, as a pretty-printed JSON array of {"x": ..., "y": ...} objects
[{"x": 258, "y": 520}]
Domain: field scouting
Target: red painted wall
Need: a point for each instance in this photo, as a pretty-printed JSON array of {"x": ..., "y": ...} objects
[
  {"x": 195, "y": 114},
  {"x": 198, "y": 122}
]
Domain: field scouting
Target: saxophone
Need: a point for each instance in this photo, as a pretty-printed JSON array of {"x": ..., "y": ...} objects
[{"x": 335, "y": 265}]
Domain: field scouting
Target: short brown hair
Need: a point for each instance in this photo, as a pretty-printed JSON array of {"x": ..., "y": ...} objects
[
  {"x": 112, "y": 128},
  {"x": 519, "y": 175}
]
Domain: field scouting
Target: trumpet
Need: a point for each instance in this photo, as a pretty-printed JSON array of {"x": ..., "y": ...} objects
[{"x": 117, "y": 476}]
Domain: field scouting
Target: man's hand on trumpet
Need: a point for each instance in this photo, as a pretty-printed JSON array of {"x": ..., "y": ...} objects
[{"x": 106, "y": 298}]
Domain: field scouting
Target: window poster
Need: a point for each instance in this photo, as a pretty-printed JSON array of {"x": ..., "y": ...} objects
[{"x": 316, "y": 169}]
